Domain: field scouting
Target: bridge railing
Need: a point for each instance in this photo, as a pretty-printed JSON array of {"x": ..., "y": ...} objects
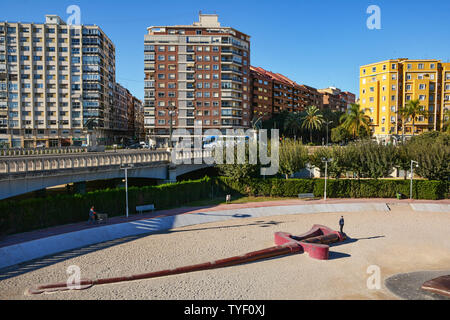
[
  {"x": 86, "y": 160},
  {"x": 79, "y": 161},
  {"x": 39, "y": 151}
]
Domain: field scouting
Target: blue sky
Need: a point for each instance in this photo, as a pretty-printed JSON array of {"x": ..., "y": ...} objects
[{"x": 320, "y": 43}]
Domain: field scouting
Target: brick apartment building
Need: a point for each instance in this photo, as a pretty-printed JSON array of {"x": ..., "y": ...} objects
[
  {"x": 337, "y": 100},
  {"x": 273, "y": 93},
  {"x": 196, "y": 74}
]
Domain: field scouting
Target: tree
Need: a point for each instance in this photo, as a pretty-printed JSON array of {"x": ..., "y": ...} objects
[
  {"x": 293, "y": 157},
  {"x": 292, "y": 123},
  {"x": 412, "y": 110},
  {"x": 338, "y": 166},
  {"x": 377, "y": 160},
  {"x": 237, "y": 171},
  {"x": 355, "y": 120},
  {"x": 432, "y": 151},
  {"x": 313, "y": 120},
  {"x": 339, "y": 134},
  {"x": 446, "y": 124}
]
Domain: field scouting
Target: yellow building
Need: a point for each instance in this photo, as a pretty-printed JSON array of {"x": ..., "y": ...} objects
[{"x": 387, "y": 86}]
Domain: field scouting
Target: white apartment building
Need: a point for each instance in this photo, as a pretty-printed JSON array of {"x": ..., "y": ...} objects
[{"x": 56, "y": 82}]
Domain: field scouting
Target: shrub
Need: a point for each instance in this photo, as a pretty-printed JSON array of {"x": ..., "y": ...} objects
[{"x": 26, "y": 215}]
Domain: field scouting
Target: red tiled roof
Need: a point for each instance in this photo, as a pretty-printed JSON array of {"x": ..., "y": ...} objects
[{"x": 280, "y": 78}]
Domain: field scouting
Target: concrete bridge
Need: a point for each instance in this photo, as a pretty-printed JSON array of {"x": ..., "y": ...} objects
[{"x": 23, "y": 174}]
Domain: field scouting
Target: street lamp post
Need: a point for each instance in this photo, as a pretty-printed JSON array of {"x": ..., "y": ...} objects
[
  {"x": 412, "y": 176},
  {"x": 172, "y": 112},
  {"x": 328, "y": 123},
  {"x": 126, "y": 167},
  {"x": 326, "y": 161}
]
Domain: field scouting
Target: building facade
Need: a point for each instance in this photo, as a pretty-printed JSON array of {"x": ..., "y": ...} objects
[
  {"x": 387, "y": 86},
  {"x": 196, "y": 75},
  {"x": 337, "y": 100},
  {"x": 274, "y": 93},
  {"x": 55, "y": 80},
  {"x": 120, "y": 114}
]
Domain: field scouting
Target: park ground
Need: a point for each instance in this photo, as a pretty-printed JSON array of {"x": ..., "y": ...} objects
[{"x": 396, "y": 241}]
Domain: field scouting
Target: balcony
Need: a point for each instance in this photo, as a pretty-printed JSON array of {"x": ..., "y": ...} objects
[{"x": 232, "y": 78}]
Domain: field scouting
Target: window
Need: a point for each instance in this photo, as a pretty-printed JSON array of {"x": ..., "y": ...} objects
[
  {"x": 149, "y": 57},
  {"x": 422, "y": 86},
  {"x": 420, "y": 66}
]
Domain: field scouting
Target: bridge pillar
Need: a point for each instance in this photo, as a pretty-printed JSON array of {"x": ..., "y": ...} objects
[
  {"x": 172, "y": 174},
  {"x": 79, "y": 187}
]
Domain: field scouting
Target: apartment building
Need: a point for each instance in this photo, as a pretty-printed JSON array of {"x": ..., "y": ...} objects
[
  {"x": 387, "y": 86},
  {"x": 445, "y": 103},
  {"x": 348, "y": 97},
  {"x": 55, "y": 80},
  {"x": 337, "y": 100},
  {"x": 120, "y": 113},
  {"x": 262, "y": 94},
  {"x": 136, "y": 130},
  {"x": 196, "y": 75},
  {"x": 274, "y": 93}
]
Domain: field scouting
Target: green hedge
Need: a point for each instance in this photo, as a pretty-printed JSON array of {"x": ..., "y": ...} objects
[
  {"x": 422, "y": 189},
  {"x": 33, "y": 214}
]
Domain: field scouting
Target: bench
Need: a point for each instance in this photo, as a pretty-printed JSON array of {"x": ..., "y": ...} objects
[
  {"x": 306, "y": 195},
  {"x": 102, "y": 218},
  {"x": 146, "y": 208}
]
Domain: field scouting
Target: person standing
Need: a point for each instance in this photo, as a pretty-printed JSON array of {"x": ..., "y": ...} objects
[
  {"x": 341, "y": 224},
  {"x": 92, "y": 214}
]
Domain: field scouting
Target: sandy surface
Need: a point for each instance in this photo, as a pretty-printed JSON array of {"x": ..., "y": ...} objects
[{"x": 398, "y": 241}]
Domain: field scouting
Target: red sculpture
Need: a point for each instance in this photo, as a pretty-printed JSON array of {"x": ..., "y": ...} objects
[{"x": 315, "y": 242}]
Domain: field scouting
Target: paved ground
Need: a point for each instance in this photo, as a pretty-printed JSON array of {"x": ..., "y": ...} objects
[
  {"x": 399, "y": 241},
  {"x": 408, "y": 285}
]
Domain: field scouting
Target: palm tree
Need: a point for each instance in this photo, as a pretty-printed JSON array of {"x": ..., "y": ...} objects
[
  {"x": 355, "y": 119},
  {"x": 313, "y": 120},
  {"x": 292, "y": 123},
  {"x": 412, "y": 110}
]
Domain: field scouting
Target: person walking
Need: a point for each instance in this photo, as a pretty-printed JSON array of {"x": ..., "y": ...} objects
[
  {"x": 341, "y": 224},
  {"x": 92, "y": 214}
]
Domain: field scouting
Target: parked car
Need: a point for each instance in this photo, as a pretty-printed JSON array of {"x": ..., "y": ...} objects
[
  {"x": 134, "y": 146},
  {"x": 144, "y": 145}
]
